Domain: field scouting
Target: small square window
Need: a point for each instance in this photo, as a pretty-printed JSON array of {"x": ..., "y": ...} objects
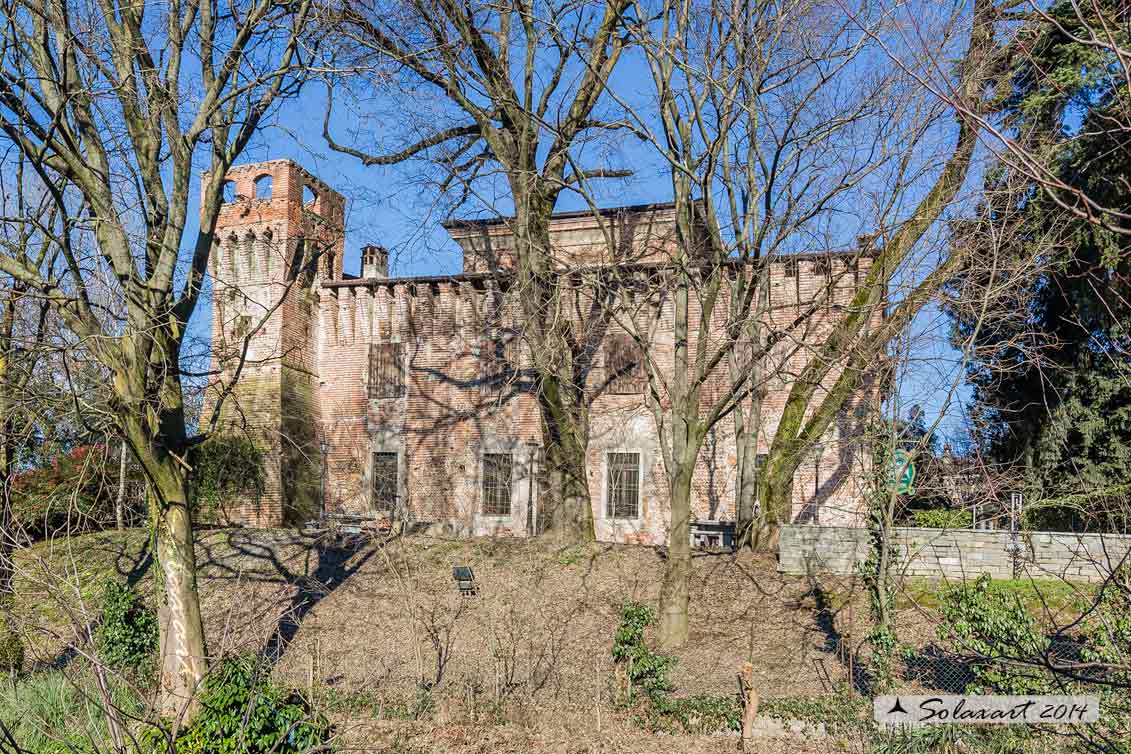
[
  {"x": 497, "y": 484},
  {"x": 623, "y": 479}
]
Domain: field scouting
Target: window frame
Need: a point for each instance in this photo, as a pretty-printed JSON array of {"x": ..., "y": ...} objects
[
  {"x": 483, "y": 491},
  {"x": 497, "y": 361},
  {"x": 396, "y": 479},
  {"x": 609, "y": 508}
]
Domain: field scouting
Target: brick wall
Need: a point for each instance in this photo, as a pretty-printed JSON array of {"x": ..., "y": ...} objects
[
  {"x": 956, "y": 553},
  {"x": 277, "y": 238},
  {"x": 308, "y": 378}
]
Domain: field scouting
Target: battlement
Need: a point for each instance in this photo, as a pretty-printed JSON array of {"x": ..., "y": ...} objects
[{"x": 266, "y": 205}]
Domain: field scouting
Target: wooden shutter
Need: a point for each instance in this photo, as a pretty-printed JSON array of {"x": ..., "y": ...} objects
[
  {"x": 624, "y": 367},
  {"x": 386, "y": 371},
  {"x": 496, "y": 361}
]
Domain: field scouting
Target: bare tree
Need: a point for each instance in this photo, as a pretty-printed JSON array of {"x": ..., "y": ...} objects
[
  {"x": 23, "y": 324},
  {"x": 763, "y": 147},
  {"x": 112, "y": 107},
  {"x": 520, "y": 85}
]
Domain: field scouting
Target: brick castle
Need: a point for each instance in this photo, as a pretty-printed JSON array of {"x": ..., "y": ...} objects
[{"x": 378, "y": 396}]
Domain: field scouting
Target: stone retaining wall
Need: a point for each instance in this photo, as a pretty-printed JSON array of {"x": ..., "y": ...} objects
[{"x": 957, "y": 553}]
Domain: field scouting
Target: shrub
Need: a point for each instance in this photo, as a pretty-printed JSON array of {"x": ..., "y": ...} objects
[
  {"x": 996, "y": 628},
  {"x": 699, "y": 715},
  {"x": 242, "y": 712},
  {"x": 224, "y": 468},
  {"x": 72, "y": 493},
  {"x": 11, "y": 647},
  {"x": 943, "y": 518},
  {"x": 647, "y": 671},
  {"x": 837, "y": 712},
  {"x": 127, "y": 635}
]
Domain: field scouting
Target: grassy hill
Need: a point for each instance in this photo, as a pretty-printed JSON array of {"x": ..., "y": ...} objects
[{"x": 378, "y": 631}]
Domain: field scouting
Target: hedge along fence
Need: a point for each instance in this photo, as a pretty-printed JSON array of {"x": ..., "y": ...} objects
[
  {"x": 73, "y": 492},
  {"x": 77, "y": 491},
  {"x": 956, "y": 553},
  {"x": 1105, "y": 510}
]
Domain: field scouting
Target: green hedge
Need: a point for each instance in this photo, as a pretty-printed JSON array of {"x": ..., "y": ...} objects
[
  {"x": 943, "y": 518},
  {"x": 72, "y": 493}
]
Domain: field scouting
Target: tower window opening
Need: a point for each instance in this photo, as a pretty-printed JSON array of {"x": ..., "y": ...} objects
[
  {"x": 249, "y": 252},
  {"x": 229, "y": 192},
  {"x": 263, "y": 186},
  {"x": 309, "y": 196},
  {"x": 267, "y": 250}
]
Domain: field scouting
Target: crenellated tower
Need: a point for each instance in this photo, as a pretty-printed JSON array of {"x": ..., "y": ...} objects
[{"x": 280, "y": 232}]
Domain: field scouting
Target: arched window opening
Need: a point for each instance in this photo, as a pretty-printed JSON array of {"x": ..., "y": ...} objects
[
  {"x": 229, "y": 192},
  {"x": 263, "y": 186},
  {"x": 309, "y": 196}
]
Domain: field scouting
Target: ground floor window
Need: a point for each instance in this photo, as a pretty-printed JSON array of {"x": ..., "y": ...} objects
[
  {"x": 385, "y": 477},
  {"x": 497, "y": 469},
  {"x": 622, "y": 496}
]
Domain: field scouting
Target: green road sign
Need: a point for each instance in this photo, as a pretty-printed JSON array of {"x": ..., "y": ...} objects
[{"x": 902, "y": 472}]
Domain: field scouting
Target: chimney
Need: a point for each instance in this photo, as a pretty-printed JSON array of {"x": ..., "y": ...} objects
[{"x": 374, "y": 262}]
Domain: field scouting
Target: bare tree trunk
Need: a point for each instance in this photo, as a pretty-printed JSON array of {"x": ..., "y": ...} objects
[
  {"x": 151, "y": 437},
  {"x": 7, "y": 533},
  {"x": 746, "y": 449},
  {"x": 747, "y": 432},
  {"x": 553, "y": 347},
  {"x": 685, "y": 443},
  {"x": 568, "y": 513},
  {"x": 119, "y": 512},
  {"x": 675, "y": 594},
  {"x": 857, "y": 343}
]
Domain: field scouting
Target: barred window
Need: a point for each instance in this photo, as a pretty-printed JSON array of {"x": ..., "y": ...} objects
[
  {"x": 385, "y": 478},
  {"x": 623, "y": 495},
  {"x": 624, "y": 365},
  {"x": 497, "y": 484},
  {"x": 386, "y": 370}
]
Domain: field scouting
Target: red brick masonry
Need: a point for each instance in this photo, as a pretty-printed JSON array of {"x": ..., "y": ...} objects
[{"x": 311, "y": 376}]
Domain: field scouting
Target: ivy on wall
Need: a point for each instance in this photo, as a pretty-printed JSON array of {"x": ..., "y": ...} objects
[{"x": 225, "y": 468}]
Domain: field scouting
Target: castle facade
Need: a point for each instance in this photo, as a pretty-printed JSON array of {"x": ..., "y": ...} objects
[{"x": 380, "y": 397}]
